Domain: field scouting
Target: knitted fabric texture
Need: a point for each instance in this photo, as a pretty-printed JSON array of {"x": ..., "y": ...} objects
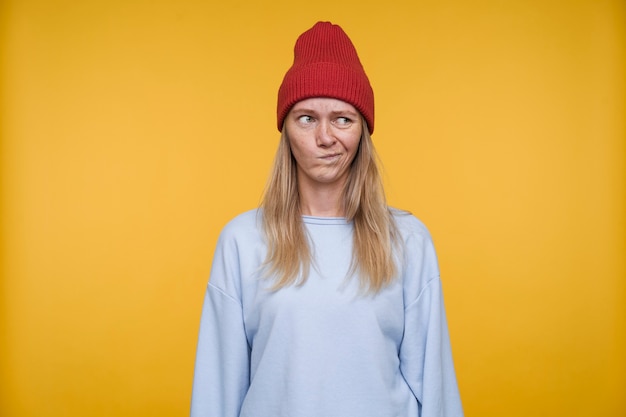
[{"x": 326, "y": 64}]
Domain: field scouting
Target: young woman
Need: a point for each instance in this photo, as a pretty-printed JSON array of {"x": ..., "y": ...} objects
[{"x": 324, "y": 302}]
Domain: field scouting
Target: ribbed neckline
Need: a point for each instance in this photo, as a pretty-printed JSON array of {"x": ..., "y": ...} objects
[{"x": 325, "y": 220}]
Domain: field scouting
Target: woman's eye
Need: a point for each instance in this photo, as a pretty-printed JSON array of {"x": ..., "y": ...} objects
[
  {"x": 343, "y": 121},
  {"x": 305, "y": 119}
]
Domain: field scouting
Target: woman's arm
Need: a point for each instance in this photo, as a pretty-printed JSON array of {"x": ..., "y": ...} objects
[
  {"x": 222, "y": 370},
  {"x": 426, "y": 356}
]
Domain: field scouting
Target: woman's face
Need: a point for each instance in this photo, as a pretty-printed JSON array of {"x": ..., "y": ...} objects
[{"x": 324, "y": 135}]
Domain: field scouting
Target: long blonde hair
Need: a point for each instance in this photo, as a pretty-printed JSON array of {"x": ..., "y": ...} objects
[{"x": 375, "y": 233}]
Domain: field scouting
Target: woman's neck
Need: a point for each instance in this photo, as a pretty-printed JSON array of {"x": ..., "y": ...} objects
[{"x": 324, "y": 201}]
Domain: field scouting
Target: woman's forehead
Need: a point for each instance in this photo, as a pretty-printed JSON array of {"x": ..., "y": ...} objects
[{"x": 324, "y": 104}]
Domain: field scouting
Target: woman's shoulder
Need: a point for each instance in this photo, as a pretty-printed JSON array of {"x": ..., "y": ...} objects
[
  {"x": 409, "y": 224},
  {"x": 244, "y": 224},
  {"x": 420, "y": 257}
]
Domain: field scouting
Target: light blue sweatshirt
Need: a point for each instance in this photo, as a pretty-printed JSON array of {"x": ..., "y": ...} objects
[{"x": 323, "y": 349}]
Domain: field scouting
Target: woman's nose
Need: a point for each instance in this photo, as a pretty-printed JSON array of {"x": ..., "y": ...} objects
[{"x": 324, "y": 135}]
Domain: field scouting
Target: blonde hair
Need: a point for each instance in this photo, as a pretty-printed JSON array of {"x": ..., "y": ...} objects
[{"x": 375, "y": 233}]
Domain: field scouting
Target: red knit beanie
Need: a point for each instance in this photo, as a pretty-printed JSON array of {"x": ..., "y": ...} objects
[{"x": 326, "y": 64}]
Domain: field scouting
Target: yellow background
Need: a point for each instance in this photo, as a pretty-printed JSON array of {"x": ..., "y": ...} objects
[{"x": 131, "y": 131}]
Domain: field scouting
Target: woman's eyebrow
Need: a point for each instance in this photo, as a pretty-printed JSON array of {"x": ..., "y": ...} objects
[
  {"x": 303, "y": 110},
  {"x": 346, "y": 111}
]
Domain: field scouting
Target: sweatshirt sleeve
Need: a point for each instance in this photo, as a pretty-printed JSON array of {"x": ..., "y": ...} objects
[
  {"x": 426, "y": 356},
  {"x": 222, "y": 368}
]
